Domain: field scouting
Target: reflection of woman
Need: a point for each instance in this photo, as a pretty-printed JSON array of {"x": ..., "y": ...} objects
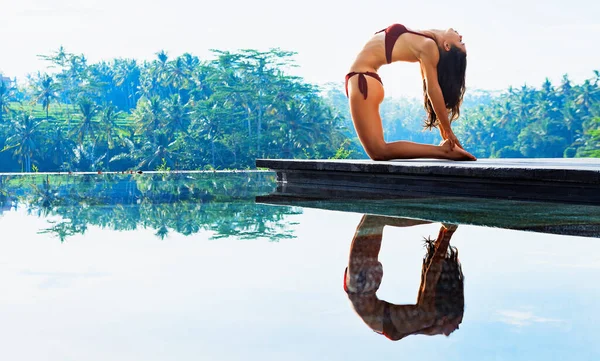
[{"x": 440, "y": 301}]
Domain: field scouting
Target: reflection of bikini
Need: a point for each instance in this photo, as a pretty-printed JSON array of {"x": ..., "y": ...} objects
[
  {"x": 364, "y": 284},
  {"x": 392, "y": 33}
]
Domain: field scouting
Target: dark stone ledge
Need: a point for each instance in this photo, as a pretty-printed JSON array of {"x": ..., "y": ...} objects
[{"x": 572, "y": 180}]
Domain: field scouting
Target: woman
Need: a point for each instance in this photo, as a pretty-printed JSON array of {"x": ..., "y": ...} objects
[
  {"x": 440, "y": 302},
  {"x": 443, "y": 59}
]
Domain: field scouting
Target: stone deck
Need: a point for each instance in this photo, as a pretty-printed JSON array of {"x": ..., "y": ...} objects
[{"x": 572, "y": 180}]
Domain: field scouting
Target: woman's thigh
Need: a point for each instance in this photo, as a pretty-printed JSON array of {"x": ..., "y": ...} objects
[{"x": 365, "y": 112}]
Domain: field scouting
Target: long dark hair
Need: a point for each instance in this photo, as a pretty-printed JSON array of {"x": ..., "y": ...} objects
[
  {"x": 449, "y": 291},
  {"x": 451, "y": 70}
]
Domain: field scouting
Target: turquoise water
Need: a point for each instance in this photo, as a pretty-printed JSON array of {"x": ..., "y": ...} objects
[{"x": 189, "y": 267}]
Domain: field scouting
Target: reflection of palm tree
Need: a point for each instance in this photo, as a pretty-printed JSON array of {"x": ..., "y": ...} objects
[
  {"x": 46, "y": 196},
  {"x": 168, "y": 202},
  {"x": 440, "y": 302},
  {"x": 60, "y": 229},
  {"x": 157, "y": 218}
]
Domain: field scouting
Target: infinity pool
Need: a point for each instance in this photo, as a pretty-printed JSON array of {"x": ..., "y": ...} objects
[{"x": 190, "y": 267}]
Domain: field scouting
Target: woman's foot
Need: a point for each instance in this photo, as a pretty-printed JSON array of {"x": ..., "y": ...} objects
[{"x": 455, "y": 153}]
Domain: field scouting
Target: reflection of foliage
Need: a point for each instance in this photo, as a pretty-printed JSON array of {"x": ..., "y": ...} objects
[
  {"x": 245, "y": 226},
  {"x": 63, "y": 229},
  {"x": 3, "y": 194},
  {"x": 222, "y": 203}
]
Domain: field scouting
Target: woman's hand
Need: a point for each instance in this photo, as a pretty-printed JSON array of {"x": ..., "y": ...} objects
[
  {"x": 454, "y": 141},
  {"x": 448, "y": 135}
]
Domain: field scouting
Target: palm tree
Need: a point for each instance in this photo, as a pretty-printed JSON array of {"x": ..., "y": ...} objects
[
  {"x": 163, "y": 150},
  {"x": 161, "y": 70},
  {"x": 85, "y": 157},
  {"x": 111, "y": 132},
  {"x": 73, "y": 79},
  {"x": 297, "y": 130},
  {"x": 176, "y": 115},
  {"x": 60, "y": 57},
  {"x": 23, "y": 140},
  {"x": 177, "y": 74},
  {"x": 210, "y": 117},
  {"x": 87, "y": 127},
  {"x": 148, "y": 116},
  {"x": 60, "y": 148},
  {"x": 45, "y": 92},
  {"x": 127, "y": 74},
  {"x": 5, "y": 95}
]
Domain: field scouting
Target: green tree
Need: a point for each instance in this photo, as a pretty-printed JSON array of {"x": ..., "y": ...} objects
[
  {"x": 5, "y": 97},
  {"x": 23, "y": 141},
  {"x": 86, "y": 130},
  {"x": 45, "y": 92},
  {"x": 110, "y": 131}
]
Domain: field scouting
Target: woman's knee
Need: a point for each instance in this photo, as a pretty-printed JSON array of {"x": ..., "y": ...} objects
[{"x": 377, "y": 151}]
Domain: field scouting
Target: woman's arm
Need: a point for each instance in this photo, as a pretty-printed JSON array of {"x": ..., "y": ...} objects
[
  {"x": 429, "y": 58},
  {"x": 367, "y": 239},
  {"x": 426, "y": 298},
  {"x": 405, "y": 319},
  {"x": 395, "y": 221}
]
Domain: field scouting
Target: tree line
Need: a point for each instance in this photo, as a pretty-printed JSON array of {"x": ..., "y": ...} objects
[
  {"x": 553, "y": 121},
  {"x": 188, "y": 113},
  {"x": 181, "y": 113}
]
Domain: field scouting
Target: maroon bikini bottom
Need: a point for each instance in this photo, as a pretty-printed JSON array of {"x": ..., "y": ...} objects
[{"x": 362, "y": 81}]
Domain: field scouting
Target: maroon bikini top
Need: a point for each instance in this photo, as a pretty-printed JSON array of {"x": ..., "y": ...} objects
[{"x": 392, "y": 33}]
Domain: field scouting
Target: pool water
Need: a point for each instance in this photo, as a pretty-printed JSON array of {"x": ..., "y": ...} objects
[{"x": 189, "y": 267}]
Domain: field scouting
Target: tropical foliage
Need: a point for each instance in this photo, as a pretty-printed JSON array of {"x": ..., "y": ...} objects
[
  {"x": 186, "y": 113},
  {"x": 182, "y": 112},
  {"x": 549, "y": 122}
]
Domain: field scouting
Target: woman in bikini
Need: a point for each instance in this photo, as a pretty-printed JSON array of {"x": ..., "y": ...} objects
[{"x": 443, "y": 59}]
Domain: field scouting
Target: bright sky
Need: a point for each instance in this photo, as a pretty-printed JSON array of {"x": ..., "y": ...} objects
[{"x": 509, "y": 42}]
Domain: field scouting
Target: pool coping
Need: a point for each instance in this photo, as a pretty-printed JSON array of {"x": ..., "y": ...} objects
[{"x": 569, "y": 180}]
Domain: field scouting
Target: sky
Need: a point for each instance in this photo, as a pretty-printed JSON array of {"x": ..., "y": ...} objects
[{"x": 510, "y": 43}]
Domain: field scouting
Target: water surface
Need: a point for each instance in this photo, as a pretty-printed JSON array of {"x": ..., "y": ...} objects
[{"x": 188, "y": 267}]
